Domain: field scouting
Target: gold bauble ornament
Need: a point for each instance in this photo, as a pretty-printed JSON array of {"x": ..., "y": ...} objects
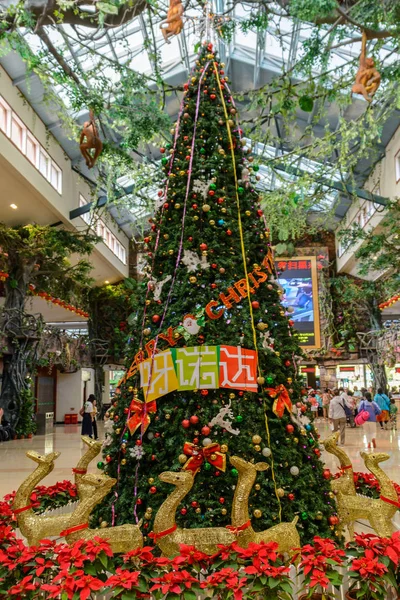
[
  {"x": 280, "y": 492},
  {"x": 212, "y": 222},
  {"x": 303, "y": 432},
  {"x": 319, "y": 516},
  {"x": 195, "y": 218},
  {"x": 204, "y": 253},
  {"x": 170, "y": 252},
  {"x": 147, "y": 515},
  {"x": 331, "y": 494},
  {"x": 262, "y": 326},
  {"x": 257, "y": 487},
  {"x": 130, "y": 388},
  {"x": 172, "y": 131},
  {"x": 296, "y": 440},
  {"x": 149, "y": 509},
  {"x": 198, "y": 510},
  {"x": 123, "y": 461},
  {"x": 257, "y": 513},
  {"x": 260, "y": 380},
  {"x": 167, "y": 416},
  {"x": 192, "y": 279},
  {"x": 103, "y": 524},
  {"x": 166, "y": 236},
  {"x": 182, "y": 459},
  {"x": 223, "y": 511},
  {"x": 256, "y": 439},
  {"x": 231, "y": 396},
  {"x": 177, "y": 335},
  {"x": 223, "y": 210},
  {"x": 148, "y": 302},
  {"x": 150, "y": 480},
  {"x": 257, "y": 448},
  {"x": 118, "y": 431},
  {"x": 224, "y": 448},
  {"x": 147, "y": 331},
  {"x": 177, "y": 206},
  {"x": 213, "y": 456},
  {"x": 231, "y": 123},
  {"x": 205, "y": 207},
  {"x": 247, "y": 213}
]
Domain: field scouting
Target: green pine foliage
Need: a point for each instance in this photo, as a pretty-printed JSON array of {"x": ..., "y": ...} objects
[{"x": 185, "y": 416}]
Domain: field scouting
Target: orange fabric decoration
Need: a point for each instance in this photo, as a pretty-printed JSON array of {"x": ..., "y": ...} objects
[
  {"x": 282, "y": 400},
  {"x": 140, "y": 415},
  {"x": 199, "y": 455}
]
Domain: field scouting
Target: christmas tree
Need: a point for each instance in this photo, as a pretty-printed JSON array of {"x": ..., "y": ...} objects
[{"x": 213, "y": 371}]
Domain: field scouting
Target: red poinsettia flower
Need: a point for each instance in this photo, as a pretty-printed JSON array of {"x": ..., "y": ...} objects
[
  {"x": 123, "y": 578},
  {"x": 368, "y": 566},
  {"x": 43, "y": 564},
  {"x": 319, "y": 578},
  {"x": 189, "y": 555},
  {"x": 174, "y": 582},
  {"x": 262, "y": 551},
  {"x": 145, "y": 555},
  {"x": 96, "y": 546},
  {"x": 86, "y": 585},
  {"x": 25, "y": 585}
]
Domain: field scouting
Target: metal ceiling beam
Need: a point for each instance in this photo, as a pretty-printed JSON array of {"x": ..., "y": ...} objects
[{"x": 335, "y": 185}]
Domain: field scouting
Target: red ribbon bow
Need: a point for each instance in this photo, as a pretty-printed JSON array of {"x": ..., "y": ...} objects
[
  {"x": 282, "y": 400},
  {"x": 158, "y": 536},
  {"x": 389, "y": 501},
  {"x": 236, "y": 530},
  {"x": 210, "y": 453},
  {"x": 140, "y": 414},
  {"x": 74, "y": 529}
]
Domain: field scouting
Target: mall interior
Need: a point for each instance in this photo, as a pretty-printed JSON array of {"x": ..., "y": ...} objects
[{"x": 199, "y": 241}]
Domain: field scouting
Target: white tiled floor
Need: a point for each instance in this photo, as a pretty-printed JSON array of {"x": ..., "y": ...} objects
[{"x": 15, "y": 466}]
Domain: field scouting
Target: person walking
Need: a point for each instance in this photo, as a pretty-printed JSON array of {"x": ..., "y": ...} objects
[
  {"x": 370, "y": 426},
  {"x": 393, "y": 414},
  {"x": 384, "y": 404},
  {"x": 92, "y": 399},
  {"x": 86, "y": 414},
  {"x": 326, "y": 398},
  {"x": 337, "y": 414}
]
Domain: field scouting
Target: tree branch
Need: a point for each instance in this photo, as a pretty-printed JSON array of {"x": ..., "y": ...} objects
[{"x": 60, "y": 59}]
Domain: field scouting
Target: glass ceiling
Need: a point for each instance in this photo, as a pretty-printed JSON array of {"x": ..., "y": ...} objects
[{"x": 135, "y": 44}]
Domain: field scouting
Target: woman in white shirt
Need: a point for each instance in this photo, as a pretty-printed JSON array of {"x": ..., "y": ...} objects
[{"x": 86, "y": 413}]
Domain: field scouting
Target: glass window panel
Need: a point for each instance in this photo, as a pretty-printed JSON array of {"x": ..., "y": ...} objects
[
  {"x": 4, "y": 113},
  {"x": 32, "y": 148},
  {"x": 18, "y": 133},
  {"x": 55, "y": 176},
  {"x": 44, "y": 163}
]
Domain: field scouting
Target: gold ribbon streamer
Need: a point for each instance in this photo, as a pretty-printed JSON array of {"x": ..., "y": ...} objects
[{"x": 245, "y": 272}]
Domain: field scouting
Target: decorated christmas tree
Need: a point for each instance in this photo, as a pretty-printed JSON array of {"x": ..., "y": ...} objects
[{"x": 213, "y": 370}]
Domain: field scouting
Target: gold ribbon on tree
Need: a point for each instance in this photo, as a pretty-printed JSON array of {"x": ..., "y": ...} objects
[
  {"x": 282, "y": 400},
  {"x": 198, "y": 456},
  {"x": 141, "y": 414}
]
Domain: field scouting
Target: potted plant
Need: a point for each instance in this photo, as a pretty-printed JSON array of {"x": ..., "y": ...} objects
[
  {"x": 267, "y": 574},
  {"x": 374, "y": 566},
  {"x": 319, "y": 567}
]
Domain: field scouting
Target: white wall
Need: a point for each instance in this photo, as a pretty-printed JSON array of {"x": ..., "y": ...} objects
[{"x": 70, "y": 393}]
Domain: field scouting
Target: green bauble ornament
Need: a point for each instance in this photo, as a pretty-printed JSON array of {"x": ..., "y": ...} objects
[
  {"x": 100, "y": 465},
  {"x": 213, "y": 186},
  {"x": 240, "y": 190},
  {"x": 269, "y": 379},
  {"x": 255, "y": 167},
  {"x": 239, "y": 419},
  {"x": 304, "y": 516},
  {"x": 207, "y": 466},
  {"x": 126, "y": 436},
  {"x": 164, "y": 160},
  {"x": 202, "y": 151},
  {"x": 234, "y": 471}
]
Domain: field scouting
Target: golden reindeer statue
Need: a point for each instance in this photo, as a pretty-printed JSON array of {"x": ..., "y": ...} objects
[
  {"x": 121, "y": 539},
  {"x": 35, "y": 527},
  {"x": 345, "y": 483},
  {"x": 93, "y": 449},
  {"x": 285, "y": 534},
  {"x": 168, "y": 536},
  {"x": 379, "y": 512}
]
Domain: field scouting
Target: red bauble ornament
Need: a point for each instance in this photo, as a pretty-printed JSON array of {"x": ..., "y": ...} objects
[
  {"x": 287, "y": 363},
  {"x": 116, "y": 418},
  {"x": 303, "y": 409},
  {"x": 147, "y": 240},
  {"x": 153, "y": 489},
  {"x": 213, "y": 96},
  {"x": 228, "y": 232},
  {"x": 185, "y": 423},
  {"x": 333, "y": 520},
  {"x": 195, "y": 440},
  {"x": 162, "y": 150},
  {"x": 157, "y": 434},
  {"x": 326, "y": 474},
  {"x": 222, "y": 500},
  {"x": 139, "y": 501},
  {"x": 190, "y": 239},
  {"x": 155, "y": 318},
  {"x": 194, "y": 206},
  {"x": 153, "y": 457},
  {"x": 185, "y": 86},
  {"x": 210, "y": 47},
  {"x": 260, "y": 213},
  {"x": 290, "y": 497},
  {"x": 214, "y": 265},
  {"x": 194, "y": 419},
  {"x": 160, "y": 193},
  {"x": 205, "y": 430},
  {"x": 220, "y": 200},
  {"x": 317, "y": 451},
  {"x": 203, "y": 246},
  {"x": 213, "y": 286},
  {"x": 126, "y": 410},
  {"x": 255, "y": 304},
  {"x": 108, "y": 458},
  {"x": 166, "y": 205},
  {"x": 204, "y": 392},
  {"x": 194, "y": 504},
  {"x": 183, "y": 511},
  {"x": 138, "y": 442},
  {"x": 211, "y": 192},
  {"x": 217, "y": 473},
  {"x": 289, "y": 428}
]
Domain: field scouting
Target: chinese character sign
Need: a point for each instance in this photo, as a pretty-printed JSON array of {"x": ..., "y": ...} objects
[
  {"x": 196, "y": 367},
  {"x": 238, "y": 368},
  {"x": 199, "y": 367},
  {"x": 298, "y": 277}
]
